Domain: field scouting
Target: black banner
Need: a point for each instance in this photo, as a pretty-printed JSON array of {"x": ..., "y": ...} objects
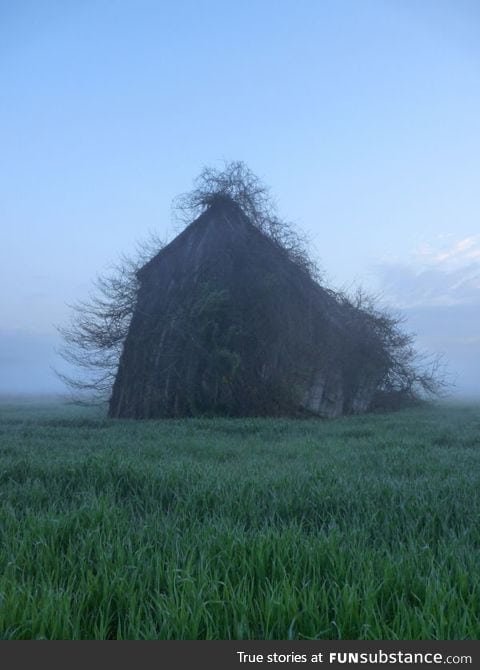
[{"x": 240, "y": 654}]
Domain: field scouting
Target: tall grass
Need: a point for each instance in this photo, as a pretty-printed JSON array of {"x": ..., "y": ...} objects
[{"x": 360, "y": 528}]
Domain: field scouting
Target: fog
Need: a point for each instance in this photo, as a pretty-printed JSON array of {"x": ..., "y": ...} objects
[{"x": 28, "y": 359}]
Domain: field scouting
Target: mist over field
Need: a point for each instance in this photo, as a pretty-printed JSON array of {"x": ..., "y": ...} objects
[{"x": 28, "y": 360}]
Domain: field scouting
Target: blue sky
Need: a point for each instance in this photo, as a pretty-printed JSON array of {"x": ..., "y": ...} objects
[{"x": 363, "y": 116}]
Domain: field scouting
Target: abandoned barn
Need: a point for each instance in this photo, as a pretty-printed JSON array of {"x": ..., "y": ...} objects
[{"x": 227, "y": 322}]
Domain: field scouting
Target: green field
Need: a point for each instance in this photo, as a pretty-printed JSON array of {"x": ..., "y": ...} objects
[{"x": 362, "y": 527}]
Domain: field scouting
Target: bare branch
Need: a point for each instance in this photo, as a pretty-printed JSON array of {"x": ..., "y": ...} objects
[{"x": 93, "y": 340}]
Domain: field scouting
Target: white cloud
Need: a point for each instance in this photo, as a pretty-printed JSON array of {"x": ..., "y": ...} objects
[
  {"x": 448, "y": 253},
  {"x": 446, "y": 273}
]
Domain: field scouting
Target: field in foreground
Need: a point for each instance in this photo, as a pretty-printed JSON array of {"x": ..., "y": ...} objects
[{"x": 363, "y": 527}]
